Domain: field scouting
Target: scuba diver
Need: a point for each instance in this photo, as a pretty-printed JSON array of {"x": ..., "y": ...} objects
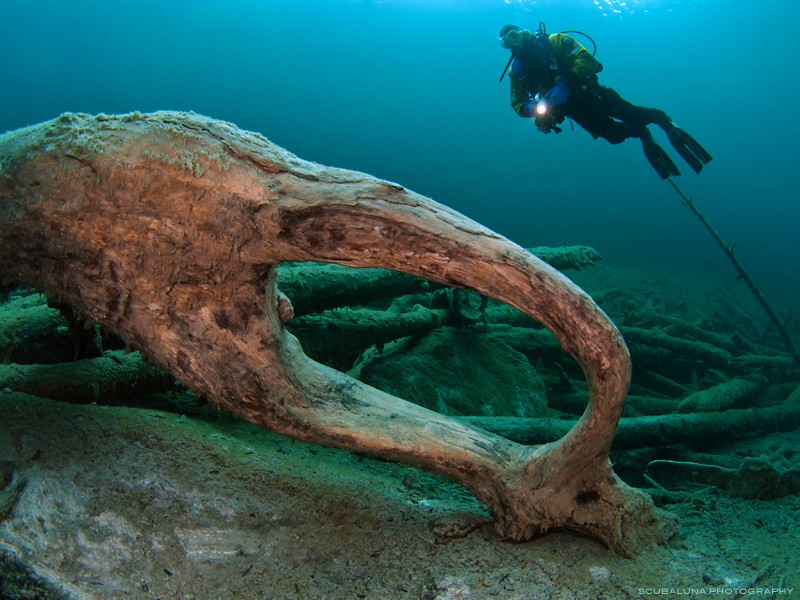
[{"x": 554, "y": 77}]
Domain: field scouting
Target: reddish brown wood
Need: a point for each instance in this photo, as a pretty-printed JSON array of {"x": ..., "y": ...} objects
[{"x": 166, "y": 227}]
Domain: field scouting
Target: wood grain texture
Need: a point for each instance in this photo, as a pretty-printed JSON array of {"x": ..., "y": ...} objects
[{"x": 166, "y": 228}]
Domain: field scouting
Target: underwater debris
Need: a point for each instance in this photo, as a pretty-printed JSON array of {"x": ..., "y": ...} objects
[
  {"x": 736, "y": 393},
  {"x": 115, "y": 376},
  {"x": 742, "y": 273},
  {"x": 188, "y": 277},
  {"x": 755, "y": 479}
]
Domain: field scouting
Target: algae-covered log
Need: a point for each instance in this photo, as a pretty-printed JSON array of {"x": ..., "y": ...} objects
[
  {"x": 336, "y": 337},
  {"x": 567, "y": 257},
  {"x": 731, "y": 394},
  {"x": 32, "y": 332},
  {"x": 167, "y": 228},
  {"x": 104, "y": 379},
  {"x": 316, "y": 287},
  {"x": 665, "y": 345},
  {"x": 662, "y": 430},
  {"x": 755, "y": 478}
]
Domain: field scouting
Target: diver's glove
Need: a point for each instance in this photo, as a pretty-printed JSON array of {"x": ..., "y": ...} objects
[
  {"x": 529, "y": 107},
  {"x": 557, "y": 94},
  {"x": 546, "y": 123}
]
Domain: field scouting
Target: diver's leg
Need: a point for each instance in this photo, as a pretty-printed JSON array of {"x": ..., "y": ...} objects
[
  {"x": 616, "y": 106},
  {"x": 600, "y": 124},
  {"x": 689, "y": 149},
  {"x": 603, "y": 126}
]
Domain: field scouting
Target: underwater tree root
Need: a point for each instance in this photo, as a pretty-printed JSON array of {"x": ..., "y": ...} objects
[{"x": 167, "y": 227}]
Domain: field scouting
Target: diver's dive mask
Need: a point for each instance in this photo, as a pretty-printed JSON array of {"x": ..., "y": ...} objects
[{"x": 511, "y": 38}]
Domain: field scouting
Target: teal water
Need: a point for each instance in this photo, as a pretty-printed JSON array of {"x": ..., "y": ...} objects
[{"x": 408, "y": 90}]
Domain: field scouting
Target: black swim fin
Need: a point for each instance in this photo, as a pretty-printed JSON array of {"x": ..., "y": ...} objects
[
  {"x": 660, "y": 160},
  {"x": 685, "y": 145}
]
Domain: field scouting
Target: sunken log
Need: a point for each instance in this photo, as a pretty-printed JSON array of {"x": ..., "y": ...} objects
[
  {"x": 664, "y": 345},
  {"x": 702, "y": 428},
  {"x": 736, "y": 393},
  {"x": 338, "y": 337},
  {"x": 755, "y": 478},
  {"x": 316, "y": 287},
  {"x": 108, "y": 378},
  {"x": 567, "y": 257},
  {"x": 167, "y": 228},
  {"x": 32, "y": 332}
]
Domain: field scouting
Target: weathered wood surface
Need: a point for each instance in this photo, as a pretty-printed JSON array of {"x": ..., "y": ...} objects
[
  {"x": 167, "y": 227},
  {"x": 315, "y": 288}
]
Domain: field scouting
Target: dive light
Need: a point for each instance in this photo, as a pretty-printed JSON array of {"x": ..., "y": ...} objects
[
  {"x": 544, "y": 120},
  {"x": 541, "y": 105}
]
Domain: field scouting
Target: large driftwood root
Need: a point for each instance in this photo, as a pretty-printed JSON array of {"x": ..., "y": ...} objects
[{"x": 167, "y": 227}]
